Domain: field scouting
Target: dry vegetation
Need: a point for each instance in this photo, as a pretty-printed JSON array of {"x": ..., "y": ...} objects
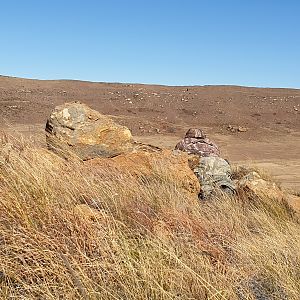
[{"x": 140, "y": 239}]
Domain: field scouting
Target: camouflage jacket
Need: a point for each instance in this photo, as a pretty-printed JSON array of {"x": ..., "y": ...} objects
[
  {"x": 202, "y": 147},
  {"x": 214, "y": 173}
]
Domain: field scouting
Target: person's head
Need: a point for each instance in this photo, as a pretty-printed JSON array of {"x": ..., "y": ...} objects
[{"x": 195, "y": 133}]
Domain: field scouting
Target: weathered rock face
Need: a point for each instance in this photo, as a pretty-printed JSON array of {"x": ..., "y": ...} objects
[
  {"x": 294, "y": 202},
  {"x": 76, "y": 128},
  {"x": 260, "y": 187},
  {"x": 169, "y": 165},
  {"x": 254, "y": 183}
]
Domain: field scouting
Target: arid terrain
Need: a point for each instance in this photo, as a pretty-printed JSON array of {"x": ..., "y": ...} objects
[
  {"x": 87, "y": 219},
  {"x": 259, "y": 126}
]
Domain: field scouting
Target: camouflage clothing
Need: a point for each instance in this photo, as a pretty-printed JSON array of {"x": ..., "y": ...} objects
[
  {"x": 214, "y": 173},
  {"x": 201, "y": 147},
  {"x": 196, "y": 142}
]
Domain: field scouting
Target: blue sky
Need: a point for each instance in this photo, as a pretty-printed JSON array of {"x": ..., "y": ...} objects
[{"x": 188, "y": 42}]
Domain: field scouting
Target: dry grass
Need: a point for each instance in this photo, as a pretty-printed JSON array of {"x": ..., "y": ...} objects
[{"x": 146, "y": 240}]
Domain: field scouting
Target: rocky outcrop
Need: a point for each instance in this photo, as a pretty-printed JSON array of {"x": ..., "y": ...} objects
[
  {"x": 165, "y": 164},
  {"x": 254, "y": 183},
  {"x": 294, "y": 202},
  {"x": 76, "y": 128}
]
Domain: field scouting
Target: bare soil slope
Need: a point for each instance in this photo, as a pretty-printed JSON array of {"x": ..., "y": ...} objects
[{"x": 161, "y": 114}]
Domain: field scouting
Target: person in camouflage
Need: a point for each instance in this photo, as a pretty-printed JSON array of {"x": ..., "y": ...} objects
[
  {"x": 214, "y": 175},
  {"x": 213, "y": 172},
  {"x": 196, "y": 142}
]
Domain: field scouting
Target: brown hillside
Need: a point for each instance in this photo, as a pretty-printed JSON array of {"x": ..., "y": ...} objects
[{"x": 147, "y": 109}]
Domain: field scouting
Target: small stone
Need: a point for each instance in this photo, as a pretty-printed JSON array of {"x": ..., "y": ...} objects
[
  {"x": 236, "y": 128},
  {"x": 242, "y": 129}
]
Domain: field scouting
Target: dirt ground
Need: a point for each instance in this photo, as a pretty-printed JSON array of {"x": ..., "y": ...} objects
[{"x": 251, "y": 125}]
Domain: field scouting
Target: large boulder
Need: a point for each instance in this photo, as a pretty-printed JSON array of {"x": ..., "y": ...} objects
[
  {"x": 166, "y": 165},
  {"x": 76, "y": 128}
]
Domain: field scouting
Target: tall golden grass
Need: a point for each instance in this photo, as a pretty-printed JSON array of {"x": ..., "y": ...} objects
[{"x": 140, "y": 239}]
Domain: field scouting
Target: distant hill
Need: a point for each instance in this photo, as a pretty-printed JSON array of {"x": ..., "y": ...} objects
[{"x": 149, "y": 109}]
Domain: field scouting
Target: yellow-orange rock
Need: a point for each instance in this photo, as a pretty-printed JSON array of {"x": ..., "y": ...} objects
[
  {"x": 254, "y": 183},
  {"x": 294, "y": 202},
  {"x": 165, "y": 164}
]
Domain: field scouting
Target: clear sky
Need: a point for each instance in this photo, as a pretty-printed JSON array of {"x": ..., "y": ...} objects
[{"x": 187, "y": 42}]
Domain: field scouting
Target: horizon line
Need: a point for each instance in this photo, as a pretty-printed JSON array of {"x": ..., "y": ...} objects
[{"x": 153, "y": 84}]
